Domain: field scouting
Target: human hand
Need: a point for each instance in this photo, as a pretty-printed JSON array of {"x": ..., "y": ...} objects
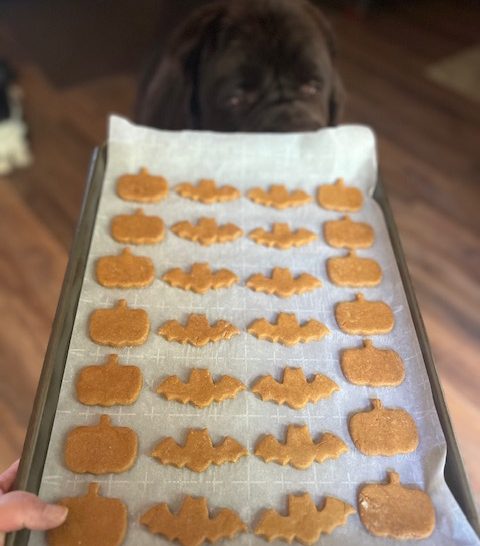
[{"x": 19, "y": 509}]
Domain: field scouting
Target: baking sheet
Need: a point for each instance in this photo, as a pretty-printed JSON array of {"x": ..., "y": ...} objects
[{"x": 303, "y": 160}]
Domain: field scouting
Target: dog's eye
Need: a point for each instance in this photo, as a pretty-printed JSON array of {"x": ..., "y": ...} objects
[
  {"x": 236, "y": 99},
  {"x": 311, "y": 88}
]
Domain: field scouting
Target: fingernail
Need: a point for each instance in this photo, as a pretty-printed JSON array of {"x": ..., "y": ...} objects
[{"x": 55, "y": 513}]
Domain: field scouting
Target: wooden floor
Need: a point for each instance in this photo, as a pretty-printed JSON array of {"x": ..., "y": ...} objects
[{"x": 429, "y": 153}]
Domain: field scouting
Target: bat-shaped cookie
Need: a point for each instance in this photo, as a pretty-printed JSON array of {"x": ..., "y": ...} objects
[
  {"x": 299, "y": 450},
  {"x": 207, "y": 231},
  {"x": 304, "y": 522},
  {"x": 278, "y": 197},
  {"x": 282, "y": 236},
  {"x": 197, "y": 331},
  {"x": 294, "y": 390},
  {"x": 198, "y": 452},
  {"x": 200, "y": 279},
  {"x": 282, "y": 283},
  {"x": 200, "y": 389},
  {"x": 206, "y": 191},
  {"x": 192, "y": 525},
  {"x": 287, "y": 330}
]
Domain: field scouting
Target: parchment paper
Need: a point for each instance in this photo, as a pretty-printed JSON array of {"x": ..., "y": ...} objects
[{"x": 248, "y": 486}]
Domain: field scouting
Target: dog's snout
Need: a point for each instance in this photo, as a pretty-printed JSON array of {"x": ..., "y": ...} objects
[{"x": 284, "y": 118}]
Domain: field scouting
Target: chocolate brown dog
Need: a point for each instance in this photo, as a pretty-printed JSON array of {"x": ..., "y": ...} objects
[{"x": 246, "y": 65}]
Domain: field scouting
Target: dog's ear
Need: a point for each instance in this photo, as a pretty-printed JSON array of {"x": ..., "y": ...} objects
[
  {"x": 167, "y": 98},
  {"x": 336, "y": 99}
]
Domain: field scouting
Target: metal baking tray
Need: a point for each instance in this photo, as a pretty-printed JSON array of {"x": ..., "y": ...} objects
[{"x": 44, "y": 408}]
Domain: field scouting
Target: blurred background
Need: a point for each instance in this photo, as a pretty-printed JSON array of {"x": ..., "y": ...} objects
[{"x": 411, "y": 70}]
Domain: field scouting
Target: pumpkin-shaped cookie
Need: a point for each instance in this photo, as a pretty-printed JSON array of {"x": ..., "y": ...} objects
[
  {"x": 109, "y": 384},
  {"x": 351, "y": 270},
  {"x": 346, "y": 233},
  {"x": 338, "y": 196},
  {"x": 92, "y": 520},
  {"x": 396, "y": 511},
  {"x": 364, "y": 317},
  {"x": 119, "y": 326},
  {"x": 372, "y": 366},
  {"x": 100, "y": 449},
  {"x": 137, "y": 228},
  {"x": 124, "y": 270},
  {"x": 142, "y": 187},
  {"x": 383, "y": 431}
]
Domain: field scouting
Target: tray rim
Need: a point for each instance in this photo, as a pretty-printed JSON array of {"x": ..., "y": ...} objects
[{"x": 46, "y": 399}]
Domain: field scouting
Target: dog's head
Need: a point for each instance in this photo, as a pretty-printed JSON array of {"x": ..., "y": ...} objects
[{"x": 246, "y": 65}]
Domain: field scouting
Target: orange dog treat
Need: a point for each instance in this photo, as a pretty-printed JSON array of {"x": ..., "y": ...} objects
[
  {"x": 201, "y": 279},
  {"x": 278, "y": 197},
  {"x": 287, "y": 330},
  {"x": 294, "y": 390},
  {"x": 345, "y": 233},
  {"x": 383, "y": 431},
  {"x": 198, "y": 452},
  {"x": 192, "y": 524},
  {"x": 282, "y": 236},
  {"x": 92, "y": 519},
  {"x": 372, "y": 367},
  {"x": 338, "y": 196},
  {"x": 206, "y": 191},
  {"x": 197, "y": 331},
  {"x": 207, "y": 232},
  {"x": 100, "y": 449},
  {"x": 109, "y": 384},
  {"x": 124, "y": 270},
  {"x": 304, "y": 522},
  {"x": 137, "y": 228},
  {"x": 200, "y": 389},
  {"x": 282, "y": 283},
  {"x": 364, "y": 317},
  {"x": 395, "y": 510},
  {"x": 299, "y": 450},
  {"x": 119, "y": 326},
  {"x": 142, "y": 187},
  {"x": 353, "y": 271}
]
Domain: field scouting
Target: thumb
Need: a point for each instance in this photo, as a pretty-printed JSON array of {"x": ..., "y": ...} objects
[{"x": 19, "y": 509}]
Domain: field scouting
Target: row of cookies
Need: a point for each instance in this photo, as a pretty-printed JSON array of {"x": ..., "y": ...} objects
[
  {"x": 112, "y": 383},
  {"x": 101, "y": 520},
  {"x": 144, "y": 187},
  {"x": 385, "y": 435},
  {"x": 122, "y": 326},
  {"x": 127, "y": 270},
  {"x": 104, "y": 448},
  {"x": 141, "y": 229}
]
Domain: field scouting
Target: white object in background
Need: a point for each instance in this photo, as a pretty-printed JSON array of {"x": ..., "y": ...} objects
[{"x": 14, "y": 151}]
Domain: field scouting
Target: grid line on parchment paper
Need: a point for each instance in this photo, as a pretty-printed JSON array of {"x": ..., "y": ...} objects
[{"x": 326, "y": 414}]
